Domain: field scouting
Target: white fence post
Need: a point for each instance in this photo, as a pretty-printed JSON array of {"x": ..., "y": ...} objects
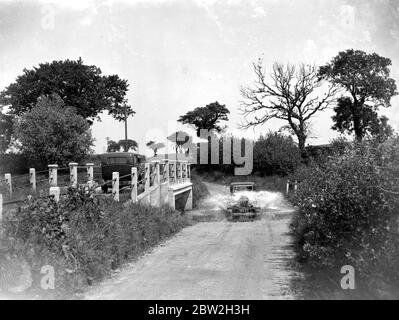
[
  {"x": 288, "y": 186},
  {"x": 115, "y": 185},
  {"x": 147, "y": 177},
  {"x": 55, "y": 192},
  {"x": 52, "y": 177},
  {"x": 90, "y": 174},
  {"x": 185, "y": 172},
  {"x": 157, "y": 173},
  {"x": 178, "y": 172},
  {"x": 175, "y": 172},
  {"x": 295, "y": 186},
  {"x": 32, "y": 179},
  {"x": 8, "y": 178},
  {"x": 166, "y": 170},
  {"x": 73, "y": 174},
  {"x": 134, "y": 184}
]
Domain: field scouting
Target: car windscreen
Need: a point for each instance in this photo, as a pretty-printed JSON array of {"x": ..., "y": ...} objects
[
  {"x": 117, "y": 160},
  {"x": 242, "y": 188}
]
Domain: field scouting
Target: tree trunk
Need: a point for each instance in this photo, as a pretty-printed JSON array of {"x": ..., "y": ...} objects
[
  {"x": 301, "y": 144},
  {"x": 357, "y": 121}
]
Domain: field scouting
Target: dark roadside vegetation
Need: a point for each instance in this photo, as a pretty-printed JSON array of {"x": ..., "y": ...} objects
[
  {"x": 84, "y": 237},
  {"x": 347, "y": 214}
]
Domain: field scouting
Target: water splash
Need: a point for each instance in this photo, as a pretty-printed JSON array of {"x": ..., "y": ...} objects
[{"x": 263, "y": 199}]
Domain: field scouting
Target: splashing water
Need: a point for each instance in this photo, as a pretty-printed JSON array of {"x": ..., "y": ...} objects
[{"x": 263, "y": 199}]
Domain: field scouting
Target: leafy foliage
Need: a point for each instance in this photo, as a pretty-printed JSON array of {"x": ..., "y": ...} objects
[
  {"x": 207, "y": 117},
  {"x": 348, "y": 211},
  {"x": 179, "y": 138},
  {"x": 122, "y": 144},
  {"x": 6, "y": 123},
  {"x": 79, "y": 85},
  {"x": 155, "y": 146},
  {"x": 113, "y": 146},
  {"x": 365, "y": 77},
  {"x": 53, "y": 133},
  {"x": 84, "y": 237},
  {"x": 128, "y": 144},
  {"x": 275, "y": 154},
  {"x": 368, "y": 121}
]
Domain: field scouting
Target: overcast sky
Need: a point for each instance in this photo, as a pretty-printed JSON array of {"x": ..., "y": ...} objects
[{"x": 178, "y": 55}]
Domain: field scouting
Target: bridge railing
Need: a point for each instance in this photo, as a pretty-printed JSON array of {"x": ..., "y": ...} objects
[{"x": 157, "y": 173}]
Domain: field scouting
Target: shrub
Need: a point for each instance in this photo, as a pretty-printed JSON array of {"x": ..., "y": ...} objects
[
  {"x": 83, "y": 236},
  {"x": 348, "y": 210},
  {"x": 275, "y": 154},
  {"x": 53, "y": 133}
]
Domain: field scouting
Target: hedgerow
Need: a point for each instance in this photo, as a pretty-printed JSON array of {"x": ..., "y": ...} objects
[
  {"x": 348, "y": 209},
  {"x": 83, "y": 237}
]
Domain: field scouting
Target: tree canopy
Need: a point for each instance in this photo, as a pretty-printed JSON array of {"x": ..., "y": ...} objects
[
  {"x": 52, "y": 132},
  {"x": 78, "y": 85},
  {"x": 207, "y": 117},
  {"x": 126, "y": 145},
  {"x": 276, "y": 153},
  {"x": 154, "y": 146},
  {"x": 365, "y": 79},
  {"x": 6, "y": 124},
  {"x": 179, "y": 138},
  {"x": 291, "y": 93}
]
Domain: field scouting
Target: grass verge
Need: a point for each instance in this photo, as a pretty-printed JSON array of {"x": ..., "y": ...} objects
[{"x": 82, "y": 238}]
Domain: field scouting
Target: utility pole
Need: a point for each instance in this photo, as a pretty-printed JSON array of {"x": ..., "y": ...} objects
[
  {"x": 126, "y": 145},
  {"x": 106, "y": 148}
]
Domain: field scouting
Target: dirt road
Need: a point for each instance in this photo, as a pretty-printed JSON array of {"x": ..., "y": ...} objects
[{"x": 214, "y": 260}]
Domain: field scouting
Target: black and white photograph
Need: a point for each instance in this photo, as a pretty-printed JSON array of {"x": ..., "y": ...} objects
[{"x": 199, "y": 156}]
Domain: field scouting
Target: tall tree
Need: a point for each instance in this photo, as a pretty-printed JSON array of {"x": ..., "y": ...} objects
[
  {"x": 365, "y": 79},
  {"x": 207, "y": 117},
  {"x": 292, "y": 93},
  {"x": 155, "y": 146},
  {"x": 179, "y": 138},
  {"x": 79, "y": 85},
  {"x": 53, "y": 133}
]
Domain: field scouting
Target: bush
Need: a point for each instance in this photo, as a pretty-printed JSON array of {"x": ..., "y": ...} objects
[
  {"x": 53, "y": 133},
  {"x": 83, "y": 236},
  {"x": 348, "y": 209},
  {"x": 276, "y": 154},
  {"x": 17, "y": 163}
]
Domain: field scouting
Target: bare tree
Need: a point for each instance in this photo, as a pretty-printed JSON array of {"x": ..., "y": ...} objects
[{"x": 293, "y": 94}]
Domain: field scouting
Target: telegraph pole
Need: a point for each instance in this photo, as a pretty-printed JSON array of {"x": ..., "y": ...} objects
[{"x": 126, "y": 145}]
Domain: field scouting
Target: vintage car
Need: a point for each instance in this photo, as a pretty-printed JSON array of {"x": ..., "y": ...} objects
[
  {"x": 121, "y": 162},
  {"x": 242, "y": 186},
  {"x": 243, "y": 208}
]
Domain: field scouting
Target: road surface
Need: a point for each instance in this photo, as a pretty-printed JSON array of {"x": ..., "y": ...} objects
[{"x": 214, "y": 260}]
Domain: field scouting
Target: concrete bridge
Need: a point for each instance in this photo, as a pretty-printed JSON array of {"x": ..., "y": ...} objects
[{"x": 164, "y": 183}]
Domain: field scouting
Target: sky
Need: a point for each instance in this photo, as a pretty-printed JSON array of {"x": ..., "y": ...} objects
[{"x": 179, "y": 55}]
